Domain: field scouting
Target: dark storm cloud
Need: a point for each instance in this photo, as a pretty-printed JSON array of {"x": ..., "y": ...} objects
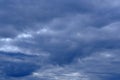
[
  {"x": 72, "y": 24},
  {"x": 63, "y": 32},
  {"x": 24, "y": 15}
]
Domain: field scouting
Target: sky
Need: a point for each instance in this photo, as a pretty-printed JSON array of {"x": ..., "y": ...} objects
[{"x": 59, "y": 39}]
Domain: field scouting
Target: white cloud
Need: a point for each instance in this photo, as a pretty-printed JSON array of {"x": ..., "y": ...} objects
[
  {"x": 6, "y": 39},
  {"x": 60, "y": 73},
  {"x": 9, "y": 48},
  {"x": 46, "y": 31},
  {"x": 24, "y": 35}
]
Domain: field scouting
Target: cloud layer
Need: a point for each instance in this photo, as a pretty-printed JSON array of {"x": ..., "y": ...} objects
[{"x": 75, "y": 39}]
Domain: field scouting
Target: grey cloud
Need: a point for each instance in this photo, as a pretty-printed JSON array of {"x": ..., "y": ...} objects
[{"x": 62, "y": 32}]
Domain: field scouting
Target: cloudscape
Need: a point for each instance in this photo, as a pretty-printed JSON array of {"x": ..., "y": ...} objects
[{"x": 59, "y": 40}]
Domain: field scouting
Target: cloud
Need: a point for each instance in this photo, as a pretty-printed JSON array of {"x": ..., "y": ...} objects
[{"x": 79, "y": 36}]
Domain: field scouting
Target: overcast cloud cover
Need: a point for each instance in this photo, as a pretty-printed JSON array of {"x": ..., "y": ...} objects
[{"x": 59, "y": 40}]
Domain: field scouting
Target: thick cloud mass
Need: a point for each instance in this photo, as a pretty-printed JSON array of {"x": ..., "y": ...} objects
[{"x": 59, "y": 39}]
